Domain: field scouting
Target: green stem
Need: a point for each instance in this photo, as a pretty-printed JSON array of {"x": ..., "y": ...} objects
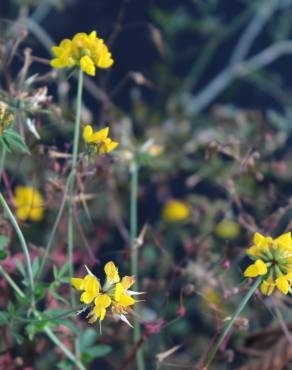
[
  {"x": 64, "y": 349},
  {"x": 55, "y": 226},
  {"x": 134, "y": 252},
  {"x": 22, "y": 241},
  {"x": 12, "y": 283},
  {"x": 2, "y": 161},
  {"x": 226, "y": 329},
  {"x": 71, "y": 190},
  {"x": 48, "y": 331}
]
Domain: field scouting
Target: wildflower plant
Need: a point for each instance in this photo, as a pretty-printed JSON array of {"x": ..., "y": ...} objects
[
  {"x": 114, "y": 294},
  {"x": 86, "y": 51},
  {"x": 273, "y": 261}
]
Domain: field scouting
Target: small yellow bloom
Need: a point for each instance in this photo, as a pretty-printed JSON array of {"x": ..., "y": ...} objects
[
  {"x": 175, "y": 210},
  {"x": 112, "y": 273},
  {"x": 256, "y": 269},
  {"x": 227, "y": 229},
  {"x": 99, "y": 140},
  {"x": 273, "y": 260},
  {"x": 29, "y": 203},
  {"x": 114, "y": 294},
  {"x": 86, "y": 51}
]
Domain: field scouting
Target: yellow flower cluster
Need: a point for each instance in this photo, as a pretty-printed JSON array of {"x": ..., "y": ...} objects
[
  {"x": 273, "y": 261},
  {"x": 84, "y": 51},
  {"x": 175, "y": 211},
  {"x": 6, "y": 117},
  {"x": 114, "y": 294},
  {"x": 29, "y": 203},
  {"x": 99, "y": 140}
]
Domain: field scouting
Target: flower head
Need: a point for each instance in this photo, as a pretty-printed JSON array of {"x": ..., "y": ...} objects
[
  {"x": 175, "y": 210},
  {"x": 29, "y": 203},
  {"x": 6, "y": 117},
  {"x": 99, "y": 140},
  {"x": 86, "y": 51},
  {"x": 114, "y": 294},
  {"x": 272, "y": 260}
]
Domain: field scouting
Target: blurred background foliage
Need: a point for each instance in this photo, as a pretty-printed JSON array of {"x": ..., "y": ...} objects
[{"x": 201, "y": 92}]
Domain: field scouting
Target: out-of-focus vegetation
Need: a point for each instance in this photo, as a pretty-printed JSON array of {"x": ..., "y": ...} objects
[{"x": 199, "y": 98}]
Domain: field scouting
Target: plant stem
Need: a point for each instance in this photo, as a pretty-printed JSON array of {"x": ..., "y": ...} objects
[
  {"x": 2, "y": 161},
  {"x": 22, "y": 242},
  {"x": 55, "y": 226},
  {"x": 228, "y": 326},
  {"x": 12, "y": 283},
  {"x": 73, "y": 172},
  {"x": 134, "y": 251},
  {"x": 47, "y": 330},
  {"x": 71, "y": 190}
]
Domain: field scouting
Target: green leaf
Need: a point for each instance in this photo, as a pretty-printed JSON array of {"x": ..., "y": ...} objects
[
  {"x": 20, "y": 267},
  {"x": 87, "y": 339},
  {"x": 3, "y": 317},
  {"x": 16, "y": 140},
  {"x": 99, "y": 350},
  {"x": 65, "y": 365},
  {"x": 3, "y": 255},
  {"x": 4, "y": 240},
  {"x": 35, "y": 266}
]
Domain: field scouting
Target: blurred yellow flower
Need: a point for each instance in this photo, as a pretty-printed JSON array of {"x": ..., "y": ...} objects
[
  {"x": 114, "y": 294},
  {"x": 273, "y": 261},
  {"x": 227, "y": 229},
  {"x": 6, "y": 117},
  {"x": 29, "y": 203},
  {"x": 86, "y": 51},
  {"x": 175, "y": 210},
  {"x": 99, "y": 140}
]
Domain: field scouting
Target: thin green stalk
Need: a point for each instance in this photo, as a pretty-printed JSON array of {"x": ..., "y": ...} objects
[
  {"x": 64, "y": 349},
  {"x": 47, "y": 330},
  {"x": 22, "y": 242},
  {"x": 2, "y": 161},
  {"x": 134, "y": 252},
  {"x": 226, "y": 329},
  {"x": 55, "y": 226},
  {"x": 11, "y": 282},
  {"x": 71, "y": 190}
]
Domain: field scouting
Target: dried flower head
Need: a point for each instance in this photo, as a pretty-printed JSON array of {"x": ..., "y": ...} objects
[
  {"x": 99, "y": 141},
  {"x": 84, "y": 51},
  {"x": 114, "y": 294},
  {"x": 273, "y": 261}
]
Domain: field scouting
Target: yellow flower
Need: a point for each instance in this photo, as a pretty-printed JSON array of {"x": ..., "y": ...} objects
[
  {"x": 86, "y": 51},
  {"x": 90, "y": 285},
  {"x": 175, "y": 210},
  {"x": 112, "y": 273},
  {"x": 99, "y": 140},
  {"x": 256, "y": 269},
  {"x": 114, "y": 293},
  {"x": 273, "y": 261},
  {"x": 6, "y": 117},
  {"x": 29, "y": 203},
  {"x": 227, "y": 229}
]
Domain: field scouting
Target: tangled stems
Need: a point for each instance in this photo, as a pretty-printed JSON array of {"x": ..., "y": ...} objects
[
  {"x": 134, "y": 169},
  {"x": 47, "y": 330},
  {"x": 226, "y": 329},
  {"x": 22, "y": 242}
]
